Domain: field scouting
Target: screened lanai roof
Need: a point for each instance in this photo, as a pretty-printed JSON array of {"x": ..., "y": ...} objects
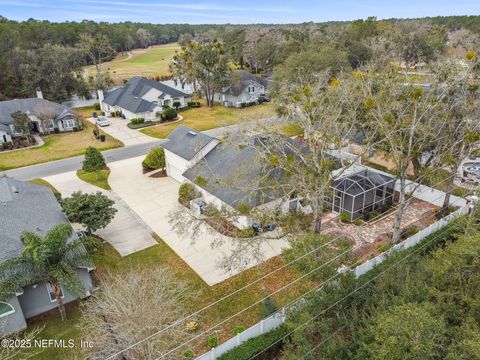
[{"x": 362, "y": 181}]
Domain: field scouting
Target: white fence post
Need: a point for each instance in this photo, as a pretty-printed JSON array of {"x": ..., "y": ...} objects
[
  {"x": 261, "y": 326},
  {"x": 238, "y": 339},
  {"x": 213, "y": 354}
]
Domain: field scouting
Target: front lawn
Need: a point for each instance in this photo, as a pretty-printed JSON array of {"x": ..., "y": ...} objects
[
  {"x": 205, "y": 118},
  {"x": 162, "y": 255},
  {"x": 97, "y": 178},
  {"x": 58, "y": 146}
]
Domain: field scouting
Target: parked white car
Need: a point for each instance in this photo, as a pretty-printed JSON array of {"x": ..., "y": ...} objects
[{"x": 102, "y": 121}]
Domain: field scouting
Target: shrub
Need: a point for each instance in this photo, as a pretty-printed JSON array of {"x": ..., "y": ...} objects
[
  {"x": 94, "y": 114},
  {"x": 103, "y": 113},
  {"x": 410, "y": 231},
  {"x": 187, "y": 192},
  {"x": 136, "y": 121},
  {"x": 177, "y": 104},
  {"x": 75, "y": 129},
  {"x": 93, "y": 160},
  {"x": 250, "y": 348},
  {"x": 96, "y": 106},
  {"x": 212, "y": 341},
  {"x": 243, "y": 209},
  {"x": 96, "y": 133},
  {"x": 238, "y": 329},
  {"x": 170, "y": 113},
  {"x": 358, "y": 222},
  {"x": 344, "y": 217},
  {"x": 367, "y": 216},
  {"x": 200, "y": 181},
  {"x": 189, "y": 354},
  {"x": 102, "y": 138},
  {"x": 158, "y": 114},
  {"x": 193, "y": 104},
  {"x": 155, "y": 159}
]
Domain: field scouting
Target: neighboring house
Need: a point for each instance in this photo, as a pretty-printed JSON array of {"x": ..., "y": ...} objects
[
  {"x": 25, "y": 206},
  {"x": 142, "y": 98},
  {"x": 244, "y": 87},
  {"x": 46, "y": 117}
]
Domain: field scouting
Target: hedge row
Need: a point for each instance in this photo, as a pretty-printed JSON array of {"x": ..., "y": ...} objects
[
  {"x": 255, "y": 345},
  {"x": 142, "y": 124}
]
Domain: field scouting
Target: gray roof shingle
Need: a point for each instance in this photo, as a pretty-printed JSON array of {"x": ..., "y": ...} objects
[
  {"x": 25, "y": 206},
  {"x": 29, "y": 106},
  {"x": 240, "y": 79},
  {"x": 186, "y": 142},
  {"x": 129, "y": 96}
]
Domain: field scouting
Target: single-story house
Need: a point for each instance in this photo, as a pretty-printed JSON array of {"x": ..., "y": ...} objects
[
  {"x": 141, "y": 98},
  {"x": 227, "y": 176},
  {"x": 46, "y": 117},
  {"x": 25, "y": 206},
  {"x": 244, "y": 87}
]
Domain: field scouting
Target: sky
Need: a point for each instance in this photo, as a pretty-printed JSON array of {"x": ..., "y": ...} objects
[{"x": 235, "y": 12}]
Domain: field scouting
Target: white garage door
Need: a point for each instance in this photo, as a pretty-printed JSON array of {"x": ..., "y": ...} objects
[{"x": 175, "y": 173}]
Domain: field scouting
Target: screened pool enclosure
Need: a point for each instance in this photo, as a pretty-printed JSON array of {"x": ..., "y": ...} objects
[{"x": 362, "y": 192}]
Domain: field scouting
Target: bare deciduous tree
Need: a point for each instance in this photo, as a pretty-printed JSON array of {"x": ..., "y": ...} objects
[
  {"x": 133, "y": 305},
  {"x": 46, "y": 113}
]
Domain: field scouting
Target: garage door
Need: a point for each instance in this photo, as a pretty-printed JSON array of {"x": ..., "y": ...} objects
[{"x": 175, "y": 173}]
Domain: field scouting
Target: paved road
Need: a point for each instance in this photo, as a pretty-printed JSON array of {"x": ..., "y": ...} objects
[{"x": 75, "y": 163}]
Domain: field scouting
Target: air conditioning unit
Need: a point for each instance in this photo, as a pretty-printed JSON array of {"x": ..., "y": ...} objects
[{"x": 198, "y": 207}]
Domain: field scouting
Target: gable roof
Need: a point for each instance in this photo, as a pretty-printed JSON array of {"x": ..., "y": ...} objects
[
  {"x": 240, "y": 80},
  {"x": 129, "y": 96},
  {"x": 186, "y": 142},
  {"x": 31, "y": 106},
  {"x": 236, "y": 174},
  {"x": 25, "y": 206}
]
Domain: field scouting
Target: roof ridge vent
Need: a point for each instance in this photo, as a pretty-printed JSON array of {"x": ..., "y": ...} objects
[{"x": 193, "y": 133}]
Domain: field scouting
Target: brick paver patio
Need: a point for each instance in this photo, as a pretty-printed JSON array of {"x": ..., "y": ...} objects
[{"x": 419, "y": 213}]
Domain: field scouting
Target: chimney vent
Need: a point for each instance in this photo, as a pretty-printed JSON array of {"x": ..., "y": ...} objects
[{"x": 39, "y": 93}]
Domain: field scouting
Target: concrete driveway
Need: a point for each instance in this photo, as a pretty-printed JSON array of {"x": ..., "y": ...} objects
[
  {"x": 126, "y": 233},
  {"x": 119, "y": 130},
  {"x": 154, "y": 198}
]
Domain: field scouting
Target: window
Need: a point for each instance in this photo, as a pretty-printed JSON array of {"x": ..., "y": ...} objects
[
  {"x": 6, "y": 309},
  {"x": 51, "y": 294},
  {"x": 251, "y": 89},
  {"x": 69, "y": 123}
]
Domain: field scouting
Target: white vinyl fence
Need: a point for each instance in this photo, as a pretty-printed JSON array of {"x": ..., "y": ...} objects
[
  {"x": 260, "y": 328},
  {"x": 424, "y": 193}
]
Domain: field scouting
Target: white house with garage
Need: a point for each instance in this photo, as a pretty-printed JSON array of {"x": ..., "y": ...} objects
[{"x": 141, "y": 98}]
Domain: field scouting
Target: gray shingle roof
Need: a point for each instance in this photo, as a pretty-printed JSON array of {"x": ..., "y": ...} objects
[
  {"x": 30, "y": 106},
  {"x": 240, "y": 79},
  {"x": 186, "y": 142},
  {"x": 33, "y": 208},
  {"x": 235, "y": 175},
  {"x": 129, "y": 96}
]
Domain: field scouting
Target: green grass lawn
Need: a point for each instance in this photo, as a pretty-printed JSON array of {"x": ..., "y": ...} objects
[
  {"x": 97, "y": 178},
  {"x": 149, "y": 62},
  {"x": 162, "y": 255},
  {"x": 205, "y": 118},
  {"x": 58, "y": 146}
]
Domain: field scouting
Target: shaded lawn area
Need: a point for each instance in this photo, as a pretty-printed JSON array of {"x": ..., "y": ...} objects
[
  {"x": 56, "y": 147},
  {"x": 144, "y": 62},
  {"x": 205, "y": 118},
  {"x": 162, "y": 255},
  {"x": 97, "y": 178}
]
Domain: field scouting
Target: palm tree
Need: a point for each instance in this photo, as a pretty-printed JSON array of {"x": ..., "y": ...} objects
[{"x": 52, "y": 259}]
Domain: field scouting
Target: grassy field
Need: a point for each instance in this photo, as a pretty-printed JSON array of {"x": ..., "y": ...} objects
[
  {"x": 162, "y": 255},
  {"x": 142, "y": 62},
  {"x": 205, "y": 118},
  {"x": 58, "y": 146},
  {"x": 97, "y": 178}
]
